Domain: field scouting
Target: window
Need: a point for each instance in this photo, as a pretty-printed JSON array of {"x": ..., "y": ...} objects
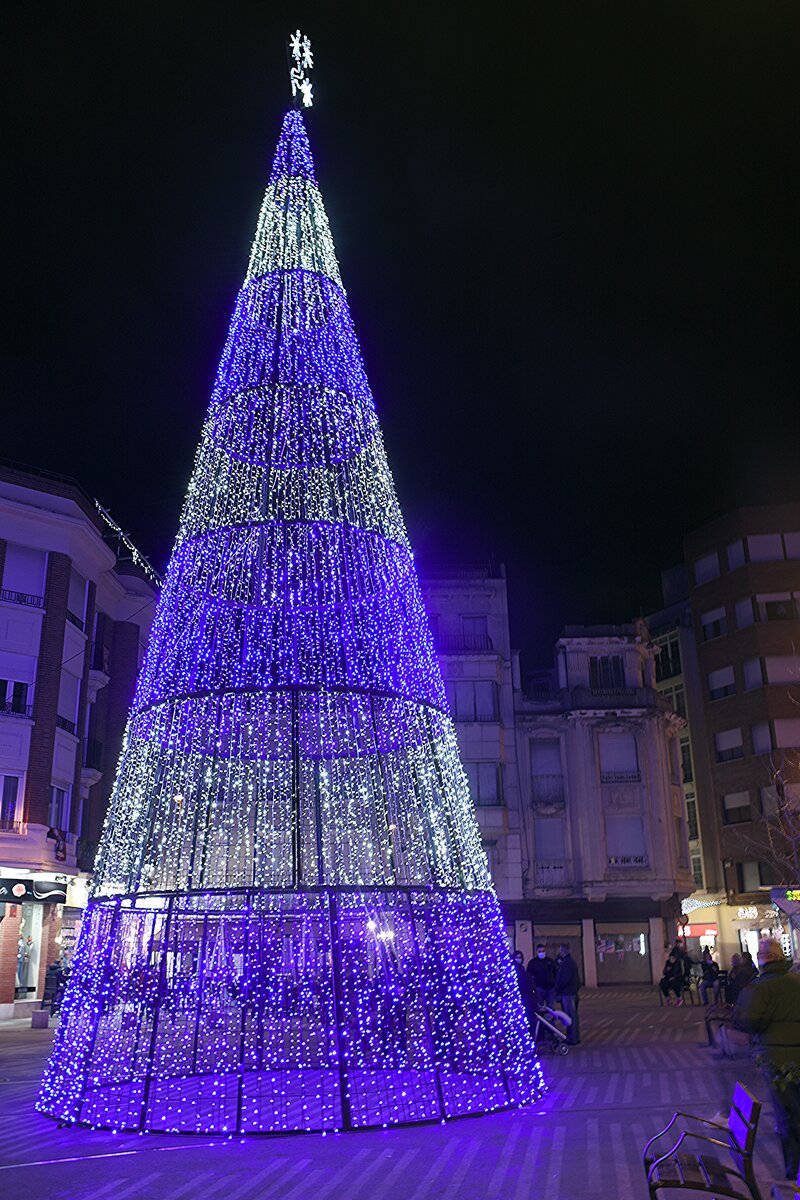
[
  {"x": 751, "y": 671},
  {"x": 753, "y": 875},
  {"x": 706, "y": 568},
  {"x": 728, "y": 745},
  {"x": 68, "y": 696},
  {"x": 484, "y": 783},
  {"x": 691, "y": 819},
  {"x": 736, "y": 808},
  {"x": 677, "y": 698},
  {"x": 668, "y": 662},
  {"x": 474, "y": 626},
  {"x": 24, "y": 570},
  {"x": 8, "y": 801},
  {"x": 735, "y": 555},
  {"x": 687, "y": 769},
  {"x": 547, "y": 781},
  {"x": 714, "y": 624},
  {"x": 764, "y": 547},
  {"x": 744, "y": 612},
  {"x": 697, "y": 868},
  {"x": 791, "y": 542},
  {"x": 787, "y": 733},
  {"x": 721, "y": 683},
  {"x": 761, "y": 737},
  {"x": 778, "y": 607},
  {"x": 58, "y": 813},
  {"x": 13, "y": 697},
  {"x": 619, "y": 762},
  {"x": 606, "y": 673},
  {"x": 625, "y": 840},
  {"x": 475, "y": 700},
  {"x": 550, "y": 835},
  {"x": 782, "y": 668}
]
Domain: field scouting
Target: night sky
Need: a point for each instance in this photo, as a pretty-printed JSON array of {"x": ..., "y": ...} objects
[{"x": 569, "y": 236}]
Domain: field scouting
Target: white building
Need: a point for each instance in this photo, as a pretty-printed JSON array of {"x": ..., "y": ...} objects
[
  {"x": 73, "y": 621},
  {"x": 576, "y": 780}
]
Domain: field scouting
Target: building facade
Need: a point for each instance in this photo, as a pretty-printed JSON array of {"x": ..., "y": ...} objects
[
  {"x": 73, "y": 621},
  {"x": 734, "y": 613},
  {"x": 576, "y": 780}
]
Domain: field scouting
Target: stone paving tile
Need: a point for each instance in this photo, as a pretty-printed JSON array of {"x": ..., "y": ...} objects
[{"x": 637, "y": 1062}]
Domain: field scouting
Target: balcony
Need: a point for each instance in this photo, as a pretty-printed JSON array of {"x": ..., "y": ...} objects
[
  {"x": 12, "y": 708},
  {"x": 9, "y": 825},
  {"x": 552, "y": 873},
  {"x": 65, "y": 724},
  {"x": 464, "y": 643},
  {"x": 25, "y": 599},
  {"x": 621, "y": 776},
  {"x": 547, "y": 789},
  {"x": 627, "y": 862},
  {"x": 76, "y": 621},
  {"x": 617, "y": 697}
]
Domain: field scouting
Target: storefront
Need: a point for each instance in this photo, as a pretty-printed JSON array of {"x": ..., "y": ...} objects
[
  {"x": 787, "y": 902},
  {"x": 40, "y": 917},
  {"x": 698, "y": 936},
  {"x": 622, "y": 952},
  {"x": 755, "y": 921}
]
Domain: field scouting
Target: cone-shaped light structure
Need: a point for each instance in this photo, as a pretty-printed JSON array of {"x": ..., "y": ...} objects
[{"x": 292, "y": 924}]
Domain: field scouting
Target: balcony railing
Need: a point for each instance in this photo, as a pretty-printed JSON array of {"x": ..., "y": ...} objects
[
  {"x": 464, "y": 643},
  {"x": 76, "y": 621},
  {"x": 12, "y": 708},
  {"x": 627, "y": 861},
  {"x": 547, "y": 789},
  {"x": 605, "y": 697},
  {"x": 65, "y": 724},
  {"x": 620, "y": 776},
  {"x": 9, "y": 825},
  {"x": 552, "y": 872},
  {"x": 26, "y": 599}
]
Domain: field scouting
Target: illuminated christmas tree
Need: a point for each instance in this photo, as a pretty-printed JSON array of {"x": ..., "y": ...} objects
[{"x": 292, "y": 923}]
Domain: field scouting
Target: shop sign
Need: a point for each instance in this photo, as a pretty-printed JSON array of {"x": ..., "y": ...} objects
[
  {"x": 748, "y": 912},
  {"x": 688, "y": 931},
  {"x": 20, "y": 890}
]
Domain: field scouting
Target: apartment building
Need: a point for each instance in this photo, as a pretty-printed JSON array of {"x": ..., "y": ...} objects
[
  {"x": 576, "y": 780},
  {"x": 74, "y": 616},
  {"x": 736, "y": 610}
]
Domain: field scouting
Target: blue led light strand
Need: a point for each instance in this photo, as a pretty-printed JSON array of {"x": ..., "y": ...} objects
[{"x": 292, "y": 923}]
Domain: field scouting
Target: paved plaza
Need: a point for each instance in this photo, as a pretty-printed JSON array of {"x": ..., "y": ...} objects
[{"x": 637, "y": 1062}]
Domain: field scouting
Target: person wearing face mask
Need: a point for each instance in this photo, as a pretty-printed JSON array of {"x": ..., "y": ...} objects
[
  {"x": 542, "y": 970},
  {"x": 568, "y": 984}
]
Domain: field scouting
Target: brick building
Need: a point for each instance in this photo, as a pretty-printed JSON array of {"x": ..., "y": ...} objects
[
  {"x": 729, "y": 638},
  {"x": 73, "y": 619}
]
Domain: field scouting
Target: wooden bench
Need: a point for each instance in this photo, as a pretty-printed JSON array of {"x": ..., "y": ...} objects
[{"x": 723, "y": 1166}]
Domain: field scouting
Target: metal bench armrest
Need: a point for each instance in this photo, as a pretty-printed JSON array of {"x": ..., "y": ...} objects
[
  {"x": 687, "y": 1133},
  {"x": 658, "y": 1135}
]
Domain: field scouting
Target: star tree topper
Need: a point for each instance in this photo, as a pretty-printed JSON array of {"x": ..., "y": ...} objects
[{"x": 302, "y": 60}]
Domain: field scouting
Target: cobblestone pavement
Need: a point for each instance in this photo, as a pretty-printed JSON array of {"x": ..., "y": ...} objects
[{"x": 637, "y": 1062}]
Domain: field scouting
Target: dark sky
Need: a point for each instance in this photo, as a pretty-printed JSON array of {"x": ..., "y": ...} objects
[{"x": 569, "y": 235}]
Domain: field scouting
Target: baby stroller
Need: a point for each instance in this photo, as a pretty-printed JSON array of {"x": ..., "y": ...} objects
[{"x": 548, "y": 1031}]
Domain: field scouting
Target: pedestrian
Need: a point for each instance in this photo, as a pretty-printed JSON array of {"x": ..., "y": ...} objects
[
  {"x": 567, "y": 987},
  {"x": 710, "y": 977},
  {"x": 529, "y": 1001},
  {"x": 672, "y": 978},
  {"x": 769, "y": 1009},
  {"x": 542, "y": 970}
]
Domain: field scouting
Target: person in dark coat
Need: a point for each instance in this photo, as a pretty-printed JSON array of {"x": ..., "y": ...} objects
[
  {"x": 769, "y": 1010},
  {"x": 529, "y": 1001},
  {"x": 568, "y": 984},
  {"x": 710, "y": 977},
  {"x": 672, "y": 979},
  {"x": 542, "y": 970}
]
